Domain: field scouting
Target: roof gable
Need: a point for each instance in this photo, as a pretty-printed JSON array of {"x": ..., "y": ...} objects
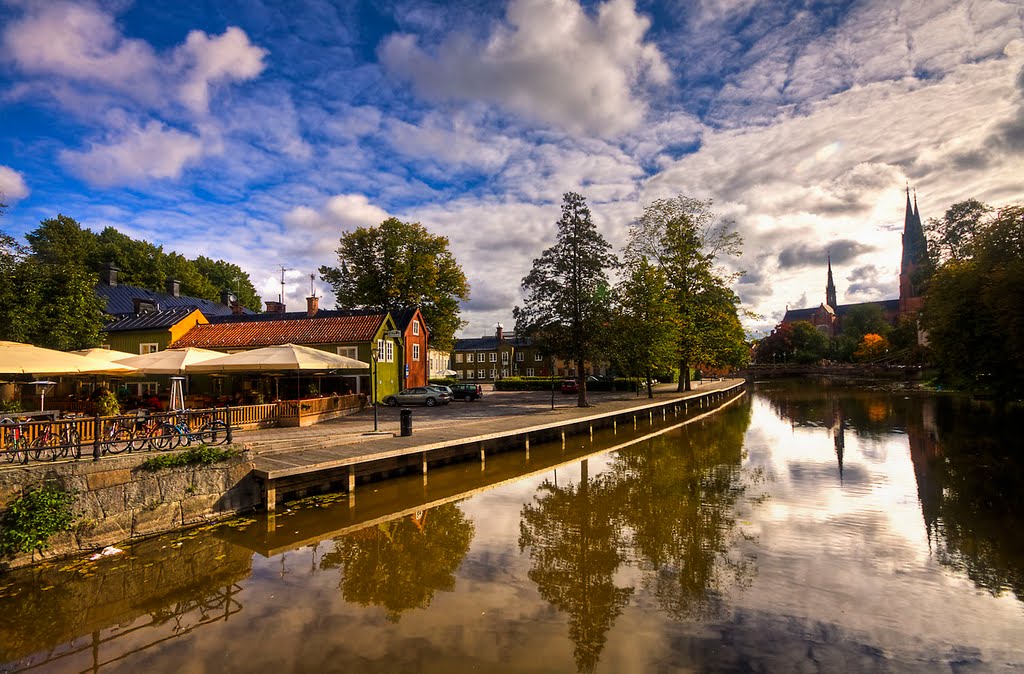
[{"x": 151, "y": 320}]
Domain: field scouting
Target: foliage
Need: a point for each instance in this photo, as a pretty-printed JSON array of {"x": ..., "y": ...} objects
[
  {"x": 12, "y": 405},
  {"x": 645, "y": 324},
  {"x": 688, "y": 241},
  {"x": 567, "y": 294},
  {"x": 797, "y": 342},
  {"x": 203, "y": 455},
  {"x": 107, "y": 404},
  {"x": 545, "y": 384},
  {"x": 974, "y": 312},
  {"x": 951, "y": 239},
  {"x": 444, "y": 381},
  {"x": 32, "y": 519},
  {"x": 400, "y": 265},
  {"x": 871, "y": 347}
]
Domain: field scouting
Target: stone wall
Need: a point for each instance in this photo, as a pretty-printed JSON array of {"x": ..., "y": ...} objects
[{"x": 116, "y": 500}]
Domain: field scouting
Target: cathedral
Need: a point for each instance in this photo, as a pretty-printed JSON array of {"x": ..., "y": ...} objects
[{"x": 828, "y": 316}]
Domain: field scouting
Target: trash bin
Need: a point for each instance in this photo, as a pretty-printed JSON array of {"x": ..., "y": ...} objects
[{"x": 406, "y": 416}]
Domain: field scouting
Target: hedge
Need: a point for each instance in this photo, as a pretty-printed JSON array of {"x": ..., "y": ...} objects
[{"x": 545, "y": 383}]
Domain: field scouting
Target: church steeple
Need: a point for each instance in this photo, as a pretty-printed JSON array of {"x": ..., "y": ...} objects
[
  {"x": 830, "y": 287},
  {"x": 915, "y": 254}
]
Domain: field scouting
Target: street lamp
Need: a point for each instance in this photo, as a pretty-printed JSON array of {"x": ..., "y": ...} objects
[{"x": 374, "y": 354}]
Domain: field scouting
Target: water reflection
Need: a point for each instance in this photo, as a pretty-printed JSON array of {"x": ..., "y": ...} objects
[{"x": 398, "y": 565}]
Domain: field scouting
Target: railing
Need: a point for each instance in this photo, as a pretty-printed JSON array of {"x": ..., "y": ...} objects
[
  {"x": 41, "y": 440},
  {"x": 311, "y": 407},
  {"x": 246, "y": 415}
]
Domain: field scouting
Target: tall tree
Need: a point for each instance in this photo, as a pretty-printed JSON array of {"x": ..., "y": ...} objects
[
  {"x": 227, "y": 276},
  {"x": 400, "y": 265},
  {"x": 645, "y": 324},
  {"x": 566, "y": 308},
  {"x": 686, "y": 239}
]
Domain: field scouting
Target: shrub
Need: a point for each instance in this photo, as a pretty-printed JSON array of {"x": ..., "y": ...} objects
[
  {"x": 444, "y": 381},
  {"x": 34, "y": 517},
  {"x": 107, "y": 404},
  {"x": 203, "y": 455}
]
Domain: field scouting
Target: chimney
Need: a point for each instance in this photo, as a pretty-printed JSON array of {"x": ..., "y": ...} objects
[
  {"x": 237, "y": 309},
  {"x": 109, "y": 275},
  {"x": 226, "y": 297},
  {"x": 275, "y": 307},
  {"x": 312, "y": 306},
  {"x": 498, "y": 333},
  {"x": 173, "y": 287},
  {"x": 143, "y": 305}
]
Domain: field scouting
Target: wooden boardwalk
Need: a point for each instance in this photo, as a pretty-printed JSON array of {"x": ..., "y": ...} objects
[{"x": 329, "y": 460}]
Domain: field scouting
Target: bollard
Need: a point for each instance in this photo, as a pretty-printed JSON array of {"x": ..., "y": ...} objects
[
  {"x": 97, "y": 430},
  {"x": 406, "y": 420},
  {"x": 227, "y": 420}
]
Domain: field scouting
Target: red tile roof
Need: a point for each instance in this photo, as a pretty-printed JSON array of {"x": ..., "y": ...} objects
[{"x": 327, "y": 330}]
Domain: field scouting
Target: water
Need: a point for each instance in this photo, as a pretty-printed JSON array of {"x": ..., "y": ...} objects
[{"x": 801, "y": 528}]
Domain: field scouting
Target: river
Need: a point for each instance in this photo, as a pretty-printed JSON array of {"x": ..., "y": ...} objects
[{"x": 802, "y": 527}]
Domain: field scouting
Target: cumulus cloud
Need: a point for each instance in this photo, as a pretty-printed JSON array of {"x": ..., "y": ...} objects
[
  {"x": 136, "y": 154},
  {"x": 549, "y": 61},
  {"x": 340, "y": 212},
  {"x": 12, "y": 185},
  {"x": 204, "y": 61}
]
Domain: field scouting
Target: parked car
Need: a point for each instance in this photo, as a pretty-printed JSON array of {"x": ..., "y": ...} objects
[
  {"x": 441, "y": 388},
  {"x": 570, "y": 386},
  {"x": 421, "y": 395},
  {"x": 467, "y": 392}
]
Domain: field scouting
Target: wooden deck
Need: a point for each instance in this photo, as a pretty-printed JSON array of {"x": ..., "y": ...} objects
[{"x": 331, "y": 463}]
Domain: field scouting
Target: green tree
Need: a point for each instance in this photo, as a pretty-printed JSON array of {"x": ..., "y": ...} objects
[
  {"x": 951, "y": 238},
  {"x": 400, "y": 265},
  {"x": 567, "y": 305},
  {"x": 686, "y": 239},
  {"x": 62, "y": 242},
  {"x": 808, "y": 344},
  {"x": 227, "y": 276},
  {"x": 644, "y": 325}
]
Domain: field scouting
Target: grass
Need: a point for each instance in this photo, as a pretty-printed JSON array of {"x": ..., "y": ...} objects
[{"x": 203, "y": 455}]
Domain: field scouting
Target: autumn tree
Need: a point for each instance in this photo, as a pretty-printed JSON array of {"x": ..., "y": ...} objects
[
  {"x": 400, "y": 265},
  {"x": 567, "y": 300},
  {"x": 689, "y": 242},
  {"x": 644, "y": 325},
  {"x": 871, "y": 347}
]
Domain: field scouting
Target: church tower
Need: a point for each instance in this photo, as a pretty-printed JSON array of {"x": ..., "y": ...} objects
[
  {"x": 830, "y": 287},
  {"x": 915, "y": 253}
]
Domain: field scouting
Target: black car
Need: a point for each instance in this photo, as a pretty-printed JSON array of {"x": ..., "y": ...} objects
[{"x": 468, "y": 392}]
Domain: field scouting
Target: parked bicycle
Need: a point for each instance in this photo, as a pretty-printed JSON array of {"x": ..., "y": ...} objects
[
  {"x": 175, "y": 432},
  {"x": 15, "y": 441},
  {"x": 118, "y": 436},
  {"x": 56, "y": 443}
]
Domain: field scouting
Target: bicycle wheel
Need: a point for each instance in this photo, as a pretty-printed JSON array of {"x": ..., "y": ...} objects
[
  {"x": 119, "y": 439},
  {"x": 42, "y": 448},
  {"x": 214, "y": 433},
  {"x": 166, "y": 437},
  {"x": 73, "y": 444},
  {"x": 14, "y": 446}
]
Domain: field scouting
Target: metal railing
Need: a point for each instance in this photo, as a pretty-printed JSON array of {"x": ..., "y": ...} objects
[{"x": 75, "y": 437}]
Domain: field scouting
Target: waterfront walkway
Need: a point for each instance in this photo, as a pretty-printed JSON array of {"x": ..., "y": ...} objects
[{"x": 338, "y": 450}]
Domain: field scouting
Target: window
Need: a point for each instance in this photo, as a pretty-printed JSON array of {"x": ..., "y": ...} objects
[
  {"x": 148, "y": 347},
  {"x": 504, "y": 372},
  {"x": 415, "y": 327},
  {"x": 415, "y": 351},
  {"x": 504, "y": 357},
  {"x": 494, "y": 357},
  {"x": 458, "y": 358},
  {"x": 494, "y": 373},
  {"x": 385, "y": 351},
  {"x": 481, "y": 374},
  {"x": 349, "y": 351},
  {"x": 520, "y": 356},
  {"x": 149, "y": 388},
  {"x": 538, "y": 357},
  {"x": 529, "y": 372}
]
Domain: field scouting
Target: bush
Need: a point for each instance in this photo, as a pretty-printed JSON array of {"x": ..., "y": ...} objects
[
  {"x": 203, "y": 455},
  {"x": 526, "y": 383},
  {"x": 107, "y": 404},
  {"x": 444, "y": 381},
  {"x": 12, "y": 405},
  {"x": 31, "y": 519}
]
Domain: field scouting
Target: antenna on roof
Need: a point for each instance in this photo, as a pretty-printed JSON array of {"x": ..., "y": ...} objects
[{"x": 281, "y": 296}]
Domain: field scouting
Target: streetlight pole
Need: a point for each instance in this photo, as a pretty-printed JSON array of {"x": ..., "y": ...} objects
[
  {"x": 551, "y": 373},
  {"x": 373, "y": 385}
]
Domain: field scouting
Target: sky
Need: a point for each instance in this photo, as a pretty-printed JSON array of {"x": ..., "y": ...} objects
[{"x": 258, "y": 132}]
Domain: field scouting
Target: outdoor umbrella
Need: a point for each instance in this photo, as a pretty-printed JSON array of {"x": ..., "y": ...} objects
[
  {"x": 171, "y": 361},
  {"x": 18, "y": 358},
  {"x": 280, "y": 358},
  {"x": 109, "y": 355}
]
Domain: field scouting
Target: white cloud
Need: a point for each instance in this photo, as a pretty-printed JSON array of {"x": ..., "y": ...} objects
[
  {"x": 12, "y": 185},
  {"x": 450, "y": 140},
  {"x": 204, "y": 61},
  {"x": 136, "y": 154},
  {"x": 550, "y": 61}
]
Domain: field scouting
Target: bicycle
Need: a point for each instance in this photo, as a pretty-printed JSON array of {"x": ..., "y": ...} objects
[
  {"x": 15, "y": 442},
  {"x": 51, "y": 445},
  {"x": 171, "y": 435},
  {"x": 118, "y": 437}
]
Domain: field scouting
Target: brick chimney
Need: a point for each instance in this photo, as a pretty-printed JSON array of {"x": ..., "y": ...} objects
[
  {"x": 498, "y": 332},
  {"x": 109, "y": 275},
  {"x": 312, "y": 306},
  {"x": 173, "y": 287},
  {"x": 237, "y": 309},
  {"x": 275, "y": 307}
]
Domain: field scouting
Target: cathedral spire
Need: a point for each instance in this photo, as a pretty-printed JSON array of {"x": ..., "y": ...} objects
[
  {"x": 830, "y": 287},
  {"x": 915, "y": 254}
]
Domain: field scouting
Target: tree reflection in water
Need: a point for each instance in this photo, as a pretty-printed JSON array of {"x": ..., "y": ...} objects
[
  {"x": 667, "y": 505},
  {"x": 398, "y": 565}
]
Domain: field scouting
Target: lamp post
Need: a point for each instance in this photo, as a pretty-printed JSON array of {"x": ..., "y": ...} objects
[{"x": 374, "y": 353}]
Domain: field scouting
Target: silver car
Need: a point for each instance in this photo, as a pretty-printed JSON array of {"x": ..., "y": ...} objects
[{"x": 421, "y": 395}]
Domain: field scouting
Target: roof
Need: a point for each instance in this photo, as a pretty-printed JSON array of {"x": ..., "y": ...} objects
[
  {"x": 120, "y": 300},
  {"x": 295, "y": 315},
  {"x": 490, "y": 343},
  {"x": 316, "y": 330},
  {"x": 794, "y": 315},
  {"x": 149, "y": 320}
]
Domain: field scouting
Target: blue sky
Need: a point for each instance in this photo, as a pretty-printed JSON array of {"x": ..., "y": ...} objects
[{"x": 257, "y": 132}]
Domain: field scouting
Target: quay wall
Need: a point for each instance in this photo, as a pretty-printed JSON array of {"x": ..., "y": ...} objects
[{"x": 116, "y": 500}]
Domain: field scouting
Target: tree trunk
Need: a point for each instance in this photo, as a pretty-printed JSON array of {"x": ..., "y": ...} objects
[
  {"x": 650, "y": 385},
  {"x": 581, "y": 401},
  {"x": 684, "y": 378}
]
